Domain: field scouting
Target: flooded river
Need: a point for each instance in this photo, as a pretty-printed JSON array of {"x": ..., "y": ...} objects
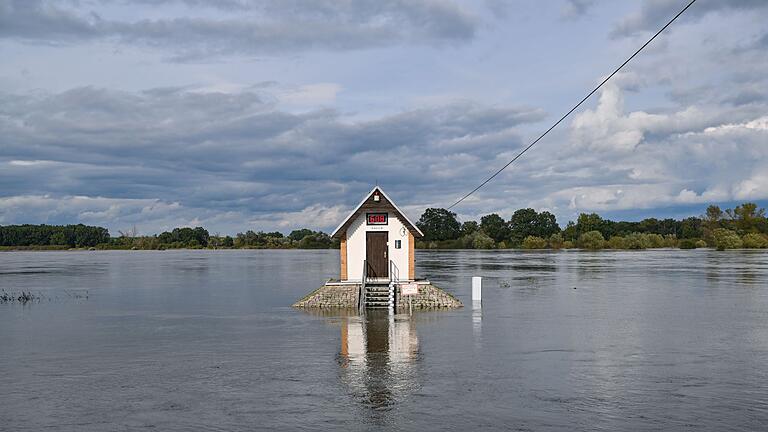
[{"x": 206, "y": 340}]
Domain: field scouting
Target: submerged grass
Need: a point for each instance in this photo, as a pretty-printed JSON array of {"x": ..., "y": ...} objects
[{"x": 24, "y": 297}]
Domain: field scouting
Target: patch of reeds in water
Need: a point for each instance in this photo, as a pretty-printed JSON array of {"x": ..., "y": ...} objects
[{"x": 24, "y": 297}]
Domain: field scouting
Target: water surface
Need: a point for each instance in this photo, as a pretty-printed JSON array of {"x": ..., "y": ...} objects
[{"x": 206, "y": 340}]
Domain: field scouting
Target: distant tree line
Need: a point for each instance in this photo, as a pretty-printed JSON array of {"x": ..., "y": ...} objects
[
  {"x": 743, "y": 226},
  {"x": 83, "y": 236},
  {"x": 300, "y": 239},
  {"x": 64, "y": 236},
  {"x": 199, "y": 238}
]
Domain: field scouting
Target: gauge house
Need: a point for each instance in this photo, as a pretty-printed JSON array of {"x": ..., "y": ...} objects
[
  {"x": 377, "y": 241},
  {"x": 377, "y": 262}
]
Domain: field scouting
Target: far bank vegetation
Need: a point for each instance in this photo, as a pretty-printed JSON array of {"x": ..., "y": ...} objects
[
  {"x": 63, "y": 237},
  {"x": 744, "y": 226}
]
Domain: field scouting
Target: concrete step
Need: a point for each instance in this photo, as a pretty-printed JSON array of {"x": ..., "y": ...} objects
[{"x": 375, "y": 301}]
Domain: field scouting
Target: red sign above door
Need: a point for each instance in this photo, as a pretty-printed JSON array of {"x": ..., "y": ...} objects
[{"x": 376, "y": 218}]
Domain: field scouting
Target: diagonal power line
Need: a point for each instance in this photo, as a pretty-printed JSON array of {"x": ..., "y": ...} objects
[{"x": 575, "y": 107}]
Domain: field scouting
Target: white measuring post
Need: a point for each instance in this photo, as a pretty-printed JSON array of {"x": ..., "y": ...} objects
[{"x": 477, "y": 289}]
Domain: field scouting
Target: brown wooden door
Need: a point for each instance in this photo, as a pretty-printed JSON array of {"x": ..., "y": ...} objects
[{"x": 376, "y": 254}]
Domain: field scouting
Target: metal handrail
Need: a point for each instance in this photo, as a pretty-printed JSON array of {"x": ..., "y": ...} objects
[
  {"x": 394, "y": 272},
  {"x": 394, "y": 280},
  {"x": 361, "y": 294}
]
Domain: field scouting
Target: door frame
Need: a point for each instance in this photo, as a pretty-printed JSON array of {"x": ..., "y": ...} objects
[{"x": 384, "y": 273}]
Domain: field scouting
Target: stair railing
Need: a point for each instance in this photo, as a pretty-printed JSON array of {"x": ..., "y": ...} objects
[
  {"x": 394, "y": 272},
  {"x": 394, "y": 280},
  {"x": 361, "y": 294}
]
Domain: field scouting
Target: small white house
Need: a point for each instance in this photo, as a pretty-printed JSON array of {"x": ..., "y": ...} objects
[{"x": 379, "y": 238}]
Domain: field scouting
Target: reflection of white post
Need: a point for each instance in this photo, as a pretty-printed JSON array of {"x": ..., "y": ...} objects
[
  {"x": 477, "y": 289},
  {"x": 355, "y": 340}
]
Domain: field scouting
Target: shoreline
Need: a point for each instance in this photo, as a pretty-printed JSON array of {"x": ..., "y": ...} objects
[{"x": 92, "y": 249}]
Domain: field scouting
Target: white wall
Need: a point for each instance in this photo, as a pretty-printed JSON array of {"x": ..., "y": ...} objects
[{"x": 356, "y": 245}]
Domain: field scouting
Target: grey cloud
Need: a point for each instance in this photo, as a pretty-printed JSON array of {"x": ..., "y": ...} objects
[
  {"x": 576, "y": 8},
  {"x": 654, "y": 13},
  {"x": 247, "y": 27},
  {"x": 234, "y": 153},
  {"x": 762, "y": 42}
]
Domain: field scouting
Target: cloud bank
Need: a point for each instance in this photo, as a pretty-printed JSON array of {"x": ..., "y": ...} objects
[
  {"x": 204, "y": 153},
  {"x": 424, "y": 97},
  {"x": 239, "y": 27}
]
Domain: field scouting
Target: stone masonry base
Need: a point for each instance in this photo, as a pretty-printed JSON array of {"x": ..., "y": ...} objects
[{"x": 344, "y": 295}]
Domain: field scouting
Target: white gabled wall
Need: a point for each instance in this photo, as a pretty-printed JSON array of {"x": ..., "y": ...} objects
[{"x": 356, "y": 244}]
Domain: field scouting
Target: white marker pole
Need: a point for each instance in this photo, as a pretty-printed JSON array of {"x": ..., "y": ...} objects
[{"x": 477, "y": 289}]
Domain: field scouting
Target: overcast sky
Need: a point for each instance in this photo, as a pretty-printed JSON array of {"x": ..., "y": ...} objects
[{"x": 272, "y": 115}]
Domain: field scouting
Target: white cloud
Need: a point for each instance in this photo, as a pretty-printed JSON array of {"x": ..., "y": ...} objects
[
  {"x": 608, "y": 128},
  {"x": 639, "y": 160},
  {"x": 753, "y": 188},
  {"x": 310, "y": 95}
]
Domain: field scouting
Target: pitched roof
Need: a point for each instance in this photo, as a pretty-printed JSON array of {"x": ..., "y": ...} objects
[{"x": 385, "y": 203}]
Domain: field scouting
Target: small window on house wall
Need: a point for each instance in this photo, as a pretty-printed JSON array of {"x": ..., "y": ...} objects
[{"x": 397, "y": 244}]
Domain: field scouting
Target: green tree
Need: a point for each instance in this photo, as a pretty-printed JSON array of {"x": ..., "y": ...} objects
[
  {"x": 655, "y": 240},
  {"x": 546, "y": 224},
  {"x": 533, "y": 242},
  {"x": 58, "y": 238},
  {"x": 522, "y": 224},
  {"x": 527, "y": 222},
  {"x": 688, "y": 243},
  {"x": 754, "y": 241},
  {"x": 617, "y": 242},
  {"x": 556, "y": 241},
  {"x": 726, "y": 239},
  {"x": 298, "y": 235},
  {"x": 185, "y": 237},
  {"x": 478, "y": 240},
  {"x": 495, "y": 226},
  {"x": 591, "y": 240},
  {"x": 690, "y": 228},
  {"x": 318, "y": 240},
  {"x": 589, "y": 222},
  {"x": 747, "y": 217},
  {"x": 570, "y": 233},
  {"x": 469, "y": 228},
  {"x": 636, "y": 241},
  {"x": 712, "y": 220},
  {"x": 439, "y": 224}
]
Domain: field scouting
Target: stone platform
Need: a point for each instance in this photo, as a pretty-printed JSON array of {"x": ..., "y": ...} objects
[{"x": 343, "y": 295}]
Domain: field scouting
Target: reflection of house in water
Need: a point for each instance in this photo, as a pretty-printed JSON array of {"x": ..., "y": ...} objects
[{"x": 379, "y": 357}]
